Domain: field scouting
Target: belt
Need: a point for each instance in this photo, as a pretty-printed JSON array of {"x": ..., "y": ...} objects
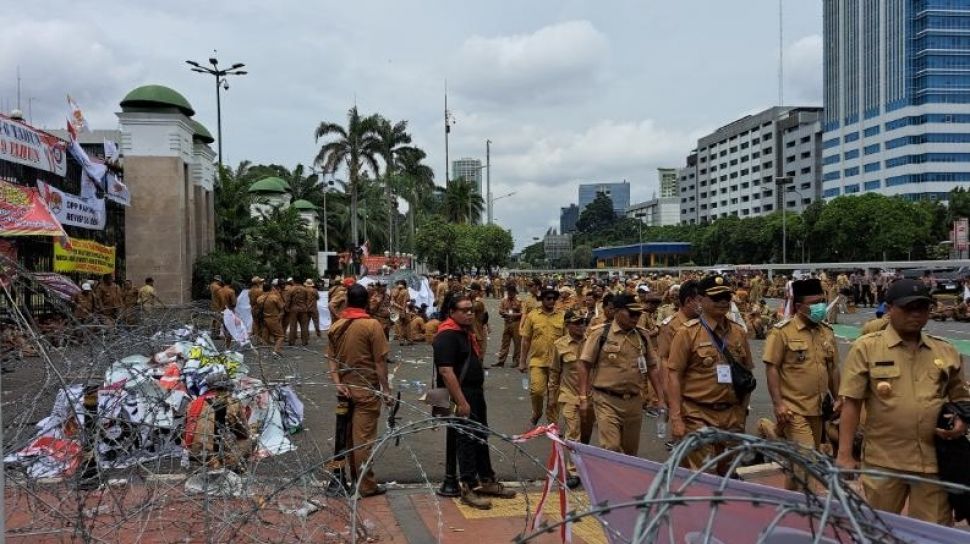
[
  {"x": 624, "y": 396},
  {"x": 716, "y": 406}
]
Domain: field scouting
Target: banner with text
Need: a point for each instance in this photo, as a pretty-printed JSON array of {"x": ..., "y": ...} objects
[
  {"x": 22, "y": 144},
  {"x": 85, "y": 256},
  {"x": 88, "y": 213},
  {"x": 24, "y": 213}
]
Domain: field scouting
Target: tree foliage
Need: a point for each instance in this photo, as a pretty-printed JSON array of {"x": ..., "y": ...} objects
[
  {"x": 597, "y": 215},
  {"x": 447, "y": 246}
]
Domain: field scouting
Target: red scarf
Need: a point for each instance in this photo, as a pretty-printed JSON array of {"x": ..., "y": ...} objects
[
  {"x": 354, "y": 313},
  {"x": 450, "y": 325}
]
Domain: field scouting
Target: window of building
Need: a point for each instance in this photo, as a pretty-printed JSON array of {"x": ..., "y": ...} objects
[
  {"x": 722, "y": 178},
  {"x": 745, "y": 185},
  {"x": 734, "y": 162},
  {"x": 745, "y": 198},
  {"x": 766, "y": 150},
  {"x": 734, "y": 188},
  {"x": 790, "y": 203},
  {"x": 870, "y": 149},
  {"x": 829, "y": 193},
  {"x": 744, "y": 145},
  {"x": 806, "y": 185},
  {"x": 850, "y": 189},
  {"x": 849, "y": 172},
  {"x": 851, "y": 154},
  {"x": 744, "y": 158},
  {"x": 805, "y": 139},
  {"x": 767, "y": 164},
  {"x": 832, "y": 142},
  {"x": 755, "y": 140},
  {"x": 767, "y": 193},
  {"x": 722, "y": 153},
  {"x": 790, "y": 173},
  {"x": 871, "y": 167},
  {"x": 734, "y": 149},
  {"x": 768, "y": 207},
  {"x": 851, "y": 137},
  {"x": 805, "y": 154},
  {"x": 755, "y": 168},
  {"x": 756, "y": 209},
  {"x": 806, "y": 170},
  {"x": 734, "y": 175},
  {"x": 871, "y": 185},
  {"x": 871, "y": 131}
]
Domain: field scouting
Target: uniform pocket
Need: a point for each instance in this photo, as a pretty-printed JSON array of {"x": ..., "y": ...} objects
[{"x": 707, "y": 355}]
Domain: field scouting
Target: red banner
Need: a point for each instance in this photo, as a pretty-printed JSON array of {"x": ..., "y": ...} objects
[{"x": 24, "y": 213}]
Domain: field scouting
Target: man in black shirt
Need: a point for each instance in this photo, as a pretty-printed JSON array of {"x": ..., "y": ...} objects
[{"x": 458, "y": 360}]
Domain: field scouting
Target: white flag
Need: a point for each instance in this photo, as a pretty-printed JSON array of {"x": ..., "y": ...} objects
[{"x": 77, "y": 119}]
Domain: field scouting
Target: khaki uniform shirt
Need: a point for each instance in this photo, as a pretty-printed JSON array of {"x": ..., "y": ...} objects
[
  {"x": 615, "y": 368},
  {"x": 668, "y": 328},
  {"x": 805, "y": 357},
  {"x": 357, "y": 344},
  {"x": 511, "y": 311},
  {"x": 337, "y": 299},
  {"x": 430, "y": 329},
  {"x": 416, "y": 329},
  {"x": 902, "y": 415},
  {"x": 227, "y": 298},
  {"x": 273, "y": 305},
  {"x": 530, "y": 303},
  {"x": 542, "y": 329},
  {"x": 694, "y": 357},
  {"x": 874, "y": 325},
  {"x": 130, "y": 296},
  {"x": 213, "y": 292},
  {"x": 478, "y": 324},
  {"x": 299, "y": 300},
  {"x": 312, "y": 297},
  {"x": 564, "y": 372},
  {"x": 146, "y": 297},
  {"x": 109, "y": 296}
]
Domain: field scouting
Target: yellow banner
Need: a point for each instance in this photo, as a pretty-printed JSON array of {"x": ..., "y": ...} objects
[{"x": 85, "y": 256}]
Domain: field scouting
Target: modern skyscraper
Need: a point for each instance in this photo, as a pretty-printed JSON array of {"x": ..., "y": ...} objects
[
  {"x": 619, "y": 193},
  {"x": 470, "y": 169},
  {"x": 896, "y": 92},
  {"x": 568, "y": 217},
  {"x": 668, "y": 182}
]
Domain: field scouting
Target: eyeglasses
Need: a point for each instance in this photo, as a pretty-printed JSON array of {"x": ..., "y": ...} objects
[{"x": 721, "y": 297}]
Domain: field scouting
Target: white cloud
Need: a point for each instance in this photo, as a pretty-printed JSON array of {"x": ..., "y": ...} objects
[
  {"x": 803, "y": 71},
  {"x": 57, "y": 57},
  {"x": 552, "y": 63}
]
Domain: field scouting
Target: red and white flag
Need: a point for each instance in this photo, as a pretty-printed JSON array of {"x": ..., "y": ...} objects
[{"x": 77, "y": 119}]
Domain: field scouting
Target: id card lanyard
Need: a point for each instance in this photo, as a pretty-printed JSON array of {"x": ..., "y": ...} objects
[{"x": 722, "y": 369}]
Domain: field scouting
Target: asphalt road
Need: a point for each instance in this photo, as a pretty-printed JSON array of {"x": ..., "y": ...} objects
[{"x": 422, "y": 454}]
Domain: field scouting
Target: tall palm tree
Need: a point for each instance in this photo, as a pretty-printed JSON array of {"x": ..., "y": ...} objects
[
  {"x": 461, "y": 201},
  {"x": 231, "y": 203},
  {"x": 353, "y": 146},
  {"x": 392, "y": 140},
  {"x": 415, "y": 183}
]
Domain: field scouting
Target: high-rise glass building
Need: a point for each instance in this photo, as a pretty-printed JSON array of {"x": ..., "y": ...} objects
[
  {"x": 469, "y": 169},
  {"x": 619, "y": 193},
  {"x": 897, "y": 97}
]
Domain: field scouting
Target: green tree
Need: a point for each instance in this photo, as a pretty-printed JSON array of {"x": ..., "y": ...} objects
[
  {"x": 534, "y": 254},
  {"x": 282, "y": 242},
  {"x": 231, "y": 204},
  {"x": 583, "y": 257},
  {"x": 496, "y": 245},
  {"x": 959, "y": 203},
  {"x": 354, "y": 146},
  {"x": 435, "y": 243},
  {"x": 597, "y": 215},
  {"x": 461, "y": 202},
  {"x": 414, "y": 182},
  {"x": 392, "y": 141}
]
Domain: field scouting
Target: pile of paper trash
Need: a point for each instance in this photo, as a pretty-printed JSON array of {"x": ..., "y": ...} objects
[{"x": 138, "y": 412}]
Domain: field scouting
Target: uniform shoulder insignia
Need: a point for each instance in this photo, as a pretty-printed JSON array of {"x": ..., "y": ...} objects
[
  {"x": 692, "y": 323},
  {"x": 782, "y": 323},
  {"x": 668, "y": 319}
]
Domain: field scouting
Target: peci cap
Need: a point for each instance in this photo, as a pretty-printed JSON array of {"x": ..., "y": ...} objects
[
  {"x": 905, "y": 291},
  {"x": 573, "y": 316},
  {"x": 627, "y": 302},
  {"x": 714, "y": 284},
  {"x": 806, "y": 288},
  {"x": 308, "y": 282}
]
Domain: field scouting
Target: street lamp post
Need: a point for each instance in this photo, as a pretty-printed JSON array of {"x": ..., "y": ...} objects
[
  {"x": 640, "y": 240},
  {"x": 781, "y": 184},
  {"x": 491, "y": 202},
  {"x": 221, "y": 83},
  {"x": 488, "y": 179}
]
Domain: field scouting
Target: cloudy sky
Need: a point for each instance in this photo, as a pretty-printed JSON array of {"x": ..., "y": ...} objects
[{"x": 568, "y": 91}]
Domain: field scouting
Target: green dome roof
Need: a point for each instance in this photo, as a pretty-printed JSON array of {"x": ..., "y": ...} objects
[
  {"x": 156, "y": 97},
  {"x": 304, "y": 205},
  {"x": 270, "y": 185},
  {"x": 200, "y": 133}
]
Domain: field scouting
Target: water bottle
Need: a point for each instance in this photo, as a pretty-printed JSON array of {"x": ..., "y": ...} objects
[
  {"x": 662, "y": 423},
  {"x": 525, "y": 384}
]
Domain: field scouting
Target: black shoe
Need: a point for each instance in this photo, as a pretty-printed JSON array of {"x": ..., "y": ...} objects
[
  {"x": 381, "y": 489},
  {"x": 572, "y": 482},
  {"x": 449, "y": 488}
]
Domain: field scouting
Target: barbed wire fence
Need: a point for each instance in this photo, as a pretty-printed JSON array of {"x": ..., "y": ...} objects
[{"x": 95, "y": 445}]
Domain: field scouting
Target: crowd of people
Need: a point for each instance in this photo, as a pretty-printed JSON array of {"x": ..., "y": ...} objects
[{"x": 106, "y": 302}]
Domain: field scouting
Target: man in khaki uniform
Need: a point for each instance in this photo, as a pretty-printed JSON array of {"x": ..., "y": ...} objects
[
  {"x": 688, "y": 300},
  {"x": 337, "y": 297},
  {"x": 532, "y": 301},
  {"x": 399, "y": 303},
  {"x": 607, "y": 311},
  {"x": 480, "y": 321},
  {"x": 540, "y": 330},
  {"x": 650, "y": 300},
  {"x": 698, "y": 373},
  {"x": 258, "y": 296},
  {"x": 802, "y": 368},
  {"x": 273, "y": 318},
  {"x": 510, "y": 308},
  {"x": 147, "y": 298},
  {"x": 564, "y": 386},
  {"x": 357, "y": 352},
  {"x": 298, "y": 313},
  {"x": 379, "y": 306},
  {"x": 85, "y": 304},
  {"x": 109, "y": 298},
  {"x": 902, "y": 377},
  {"x": 227, "y": 301},
  {"x": 879, "y": 323},
  {"x": 615, "y": 358},
  {"x": 214, "y": 288},
  {"x": 313, "y": 311}
]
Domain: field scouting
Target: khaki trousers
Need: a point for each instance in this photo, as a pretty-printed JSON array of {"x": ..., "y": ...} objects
[
  {"x": 697, "y": 417},
  {"x": 538, "y": 381},
  {"x": 618, "y": 422},
  {"x": 510, "y": 335},
  {"x": 927, "y": 502},
  {"x": 303, "y": 320},
  {"x": 578, "y": 426},
  {"x": 363, "y": 430},
  {"x": 806, "y": 431}
]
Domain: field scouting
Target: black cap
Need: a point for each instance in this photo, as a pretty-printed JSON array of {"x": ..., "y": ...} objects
[
  {"x": 549, "y": 290},
  {"x": 806, "y": 288},
  {"x": 573, "y": 316},
  {"x": 714, "y": 284},
  {"x": 904, "y": 291},
  {"x": 628, "y": 302}
]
